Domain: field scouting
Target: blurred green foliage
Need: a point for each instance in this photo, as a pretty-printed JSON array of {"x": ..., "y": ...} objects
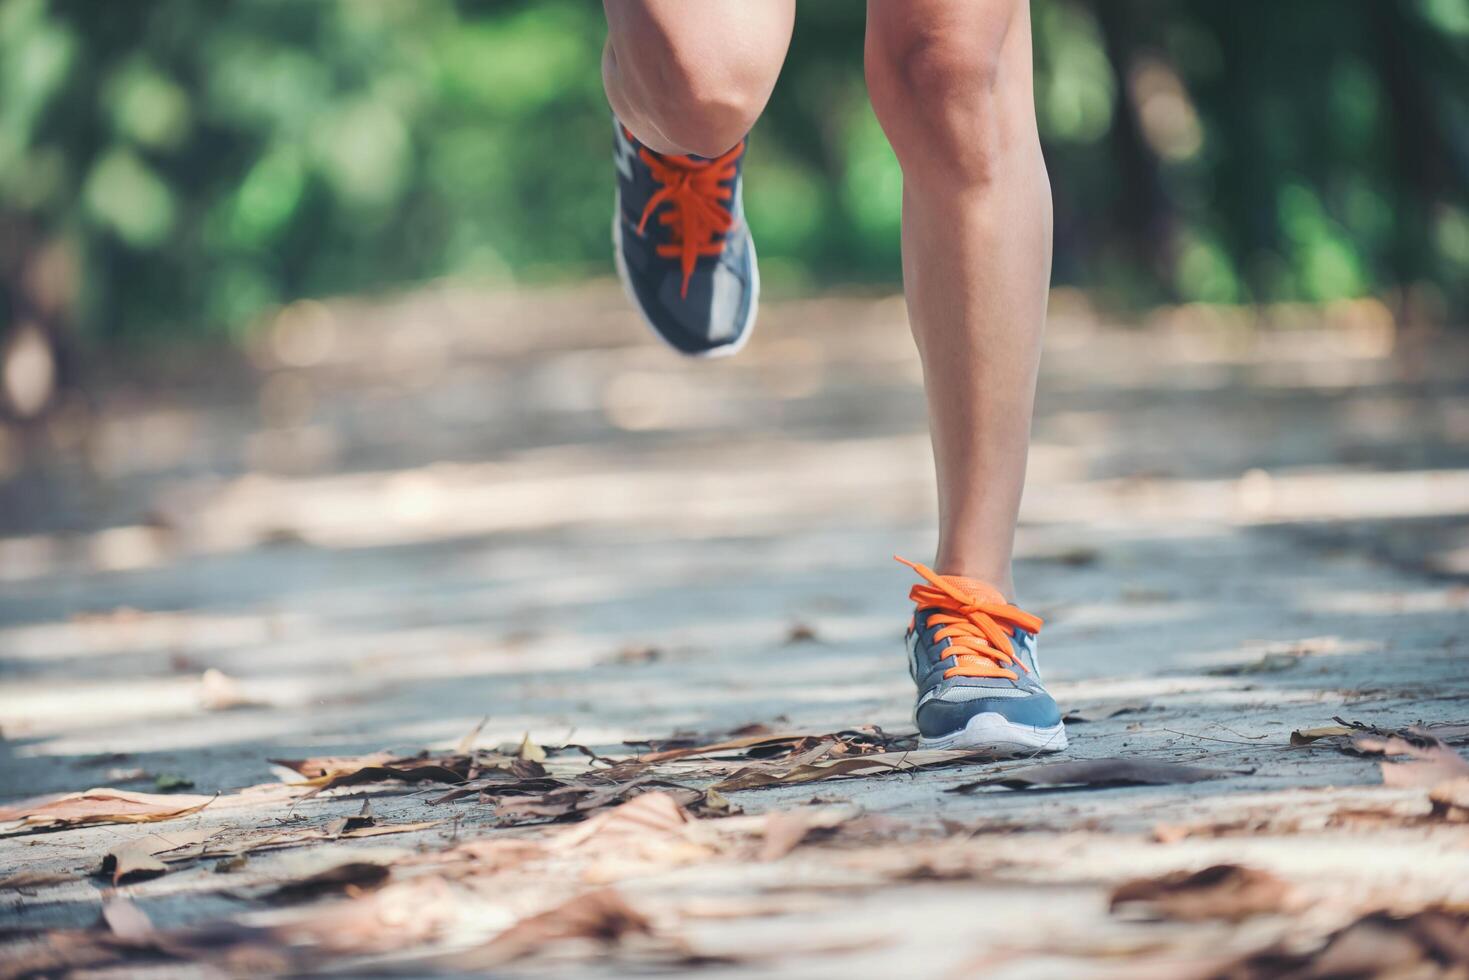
[{"x": 169, "y": 165}]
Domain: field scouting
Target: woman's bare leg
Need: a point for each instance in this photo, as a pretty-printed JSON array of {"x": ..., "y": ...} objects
[
  {"x": 692, "y": 76},
  {"x": 951, "y": 84}
]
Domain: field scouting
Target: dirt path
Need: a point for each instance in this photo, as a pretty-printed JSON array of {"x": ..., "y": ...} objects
[{"x": 411, "y": 516}]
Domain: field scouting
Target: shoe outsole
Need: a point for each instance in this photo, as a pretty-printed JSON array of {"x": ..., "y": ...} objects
[
  {"x": 747, "y": 327},
  {"x": 993, "y": 731}
]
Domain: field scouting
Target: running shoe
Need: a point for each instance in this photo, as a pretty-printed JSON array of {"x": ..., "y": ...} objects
[
  {"x": 973, "y": 657},
  {"x": 683, "y": 251}
]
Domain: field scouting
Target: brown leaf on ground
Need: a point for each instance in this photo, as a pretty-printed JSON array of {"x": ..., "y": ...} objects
[
  {"x": 148, "y": 857},
  {"x": 398, "y": 916},
  {"x": 1431, "y": 942},
  {"x": 785, "y": 830},
  {"x": 384, "y": 774},
  {"x": 500, "y": 782},
  {"x": 875, "y": 764},
  {"x": 1172, "y": 833},
  {"x": 126, "y": 921},
  {"x": 241, "y": 846},
  {"x": 1450, "y": 801},
  {"x": 363, "y": 819},
  {"x": 801, "y": 633},
  {"x": 743, "y": 742},
  {"x": 1448, "y": 731},
  {"x": 349, "y": 876},
  {"x": 466, "y": 744},
  {"x": 1096, "y": 773},
  {"x": 485, "y": 856},
  {"x": 1225, "y": 891},
  {"x": 530, "y": 751},
  {"x": 649, "y": 832},
  {"x": 1084, "y": 716},
  {"x": 602, "y": 916},
  {"x": 325, "y": 767},
  {"x": 1306, "y": 736},
  {"x": 99, "y": 806},
  {"x": 655, "y": 813},
  {"x": 219, "y": 691},
  {"x": 579, "y": 800},
  {"x": 1425, "y": 766},
  {"x": 25, "y": 880}
]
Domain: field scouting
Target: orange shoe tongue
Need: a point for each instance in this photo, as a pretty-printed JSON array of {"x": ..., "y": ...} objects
[{"x": 982, "y": 591}]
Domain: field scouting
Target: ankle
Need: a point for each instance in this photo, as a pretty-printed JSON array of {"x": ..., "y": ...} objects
[{"x": 998, "y": 575}]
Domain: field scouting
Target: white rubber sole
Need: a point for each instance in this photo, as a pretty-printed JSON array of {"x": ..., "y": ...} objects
[
  {"x": 1004, "y": 737},
  {"x": 746, "y": 328}
]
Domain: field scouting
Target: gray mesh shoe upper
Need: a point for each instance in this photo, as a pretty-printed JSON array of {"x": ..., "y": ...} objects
[
  {"x": 683, "y": 250},
  {"x": 937, "y": 646}
]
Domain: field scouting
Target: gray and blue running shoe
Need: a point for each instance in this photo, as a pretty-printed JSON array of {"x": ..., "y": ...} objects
[
  {"x": 972, "y": 655},
  {"x": 682, "y": 249}
]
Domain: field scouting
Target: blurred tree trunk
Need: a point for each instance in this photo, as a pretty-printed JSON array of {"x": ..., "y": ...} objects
[{"x": 1142, "y": 209}]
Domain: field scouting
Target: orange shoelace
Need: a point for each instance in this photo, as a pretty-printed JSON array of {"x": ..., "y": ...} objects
[
  {"x": 977, "y": 621},
  {"x": 696, "y": 199}
]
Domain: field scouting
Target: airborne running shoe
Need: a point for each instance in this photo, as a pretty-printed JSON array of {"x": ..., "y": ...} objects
[
  {"x": 972, "y": 655},
  {"x": 682, "y": 249}
]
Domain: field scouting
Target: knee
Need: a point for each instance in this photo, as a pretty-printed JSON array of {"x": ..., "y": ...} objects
[
  {"x": 939, "y": 100},
  {"x": 704, "y": 116},
  {"x": 697, "y": 104}
]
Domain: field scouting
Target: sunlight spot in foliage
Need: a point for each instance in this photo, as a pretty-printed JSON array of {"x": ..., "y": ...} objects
[
  {"x": 1205, "y": 273},
  {"x": 364, "y": 151},
  {"x": 1450, "y": 16},
  {"x": 35, "y": 55},
  {"x": 237, "y": 293},
  {"x": 268, "y": 196},
  {"x": 1325, "y": 260},
  {"x": 124, "y": 194},
  {"x": 1355, "y": 106},
  {"x": 785, "y": 206},
  {"x": 1169, "y": 122},
  {"x": 515, "y": 65},
  {"x": 872, "y": 185},
  {"x": 1075, "y": 86},
  {"x": 147, "y": 106},
  {"x": 1451, "y": 231}
]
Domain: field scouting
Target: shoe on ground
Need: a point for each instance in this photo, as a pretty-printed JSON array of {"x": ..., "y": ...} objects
[{"x": 973, "y": 657}]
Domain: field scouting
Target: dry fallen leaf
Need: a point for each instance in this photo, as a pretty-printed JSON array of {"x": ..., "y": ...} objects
[
  {"x": 1097, "y": 773},
  {"x": 744, "y": 742},
  {"x": 341, "y": 825},
  {"x": 219, "y": 691},
  {"x": 398, "y": 916},
  {"x": 349, "y": 876},
  {"x": 655, "y": 813},
  {"x": 25, "y": 880},
  {"x": 1431, "y": 942},
  {"x": 1102, "y": 712},
  {"x": 1425, "y": 766},
  {"x": 99, "y": 806},
  {"x": 148, "y": 857},
  {"x": 530, "y": 751},
  {"x": 602, "y": 916},
  {"x": 1224, "y": 891},
  {"x": 877, "y": 763},
  {"x": 1450, "y": 800},
  {"x": 383, "y": 774},
  {"x": 1306, "y": 736},
  {"x": 325, "y": 767},
  {"x": 784, "y": 830},
  {"x": 579, "y": 800},
  {"x": 466, "y": 744}
]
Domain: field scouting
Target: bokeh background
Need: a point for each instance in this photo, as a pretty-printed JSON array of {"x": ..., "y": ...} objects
[
  {"x": 325, "y": 428},
  {"x": 171, "y": 170}
]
